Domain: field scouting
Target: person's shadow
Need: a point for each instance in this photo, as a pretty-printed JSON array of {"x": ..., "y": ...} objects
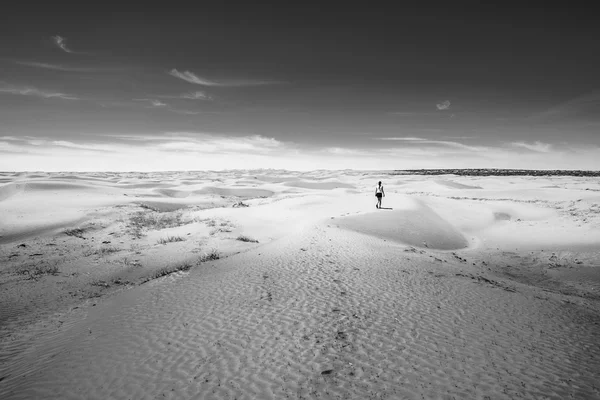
[{"x": 385, "y": 208}]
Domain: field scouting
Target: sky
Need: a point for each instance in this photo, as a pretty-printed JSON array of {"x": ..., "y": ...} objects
[{"x": 245, "y": 86}]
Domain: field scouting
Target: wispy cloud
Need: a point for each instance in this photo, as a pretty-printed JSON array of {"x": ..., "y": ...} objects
[
  {"x": 199, "y": 142},
  {"x": 195, "y": 79},
  {"x": 405, "y": 113},
  {"x": 445, "y": 143},
  {"x": 194, "y": 112},
  {"x": 343, "y": 151},
  {"x": 30, "y": 91},
  {"x": 444, "y": 105},
  {"x": 61, "y": 43},
  {"x": 406, "y": 139},
  {"x": 153, "y": 102},
  {"x": 538, "y": 147},
  {"x": 586, "y": 106},
  {"x": 54, "y": 67},
  {"x": 196, "y": 96}
]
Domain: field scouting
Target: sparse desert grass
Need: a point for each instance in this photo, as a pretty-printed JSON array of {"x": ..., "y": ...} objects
[
  {"x": 100, "y": 283},
  {"x": 170, "y": 239},
  {"x": 36, "y": 271},
  {"x": 107, "y": 250},
  {"x": 219, "y": 230},
  {"x": 168, "y": 270},
  {"x": 76, "y": 232},
  {"x": 101, "y": 251},
  {"x": 153, "y": 220},
  {"x": 210, "y": 222},
  {"x": 106, "y": 285},
  {"x": 212, "y": 254},
  {"x": 130, "y": 263},
  {"x": 243, "y": 238},
  {"x": 240, "y": 204},
  {"x": 149, "y": 207}
]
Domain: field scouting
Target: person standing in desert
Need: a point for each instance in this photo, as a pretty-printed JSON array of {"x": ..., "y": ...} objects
[{"x": 379, "y": 193}]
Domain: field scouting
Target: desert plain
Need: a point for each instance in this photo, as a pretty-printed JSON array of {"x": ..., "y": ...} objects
[{"x": 272, "y": 284}]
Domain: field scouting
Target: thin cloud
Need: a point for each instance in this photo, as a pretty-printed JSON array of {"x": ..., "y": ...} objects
[
  {"x": 192, "y": 112},
  {"x": 444, "y": 105},
  {"x": 184, "y": 112},
  {"x": 408, "y": 139},
  {"x": 538, "y": 147},
  {"x": 153, "y": 102},
  {"x": 405, "y": 113},
  {"x": 196, "y": 96},
  {"x": 29, "y": 91},
  {"x": 343, "y": 151},
  {"x": 197, "y": 80},
  {"x": 586, "y": 106},
  {"x": 61, "y": 43},
  {"x": 54, "y": 67},
  {"x": 445, "y": 143},
  {"x": 158, "y": 103}
]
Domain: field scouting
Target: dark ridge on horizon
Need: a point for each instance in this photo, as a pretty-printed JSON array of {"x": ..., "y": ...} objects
[{"x": 495, "y": 172}]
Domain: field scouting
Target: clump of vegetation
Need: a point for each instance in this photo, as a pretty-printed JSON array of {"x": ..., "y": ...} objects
[
  {"x": 154, "y": 220},
  {"x": 76, "y": 232},
  {"x": 101, "y": 284},
  {"x": 243, "y": 238},
  {"x": 119, "y": 281},
  {"x": 130, "y": 263},
  {"x": 240, "y": 204},
  {"x": 168, "y": 270},
  {"x": 103, "y": 251},
  {"x": 170, "y": 239},
  {"x": 35, "y": 272},
  {"x": 219, "y": 230},
  {"x": 149, "y": 207},
  {"x": 211, "y": 255},
  {"x": 106, "y": 285},
  {"x": 107, "y": 250}
]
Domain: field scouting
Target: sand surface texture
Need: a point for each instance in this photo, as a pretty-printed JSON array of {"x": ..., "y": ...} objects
[{"x": 274, "y": 284}]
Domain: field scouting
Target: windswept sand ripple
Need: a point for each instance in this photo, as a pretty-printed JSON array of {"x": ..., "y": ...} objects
[{"x": 312, "y": 316}]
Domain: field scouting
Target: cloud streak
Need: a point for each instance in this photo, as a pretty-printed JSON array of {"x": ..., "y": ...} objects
[
  {"x": 444, "y": 105},
  {"x": 153, "y": 102},
  {"x": 405, "y": 139},
  {"x": 197, "y": 80},
  {"x": 61, "y": 43},
  {"x": 586, "y": 106},
  {"x": 445, "y": 143},
  {"x": 54, "y": 67},
  {"x": 196, "y": 96},
  {"x": 30, "y": 91},
  {"x": 537, "y": 147}
]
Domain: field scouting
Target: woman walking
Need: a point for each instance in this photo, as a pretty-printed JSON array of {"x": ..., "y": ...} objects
[{"x": 379, "y": 193}]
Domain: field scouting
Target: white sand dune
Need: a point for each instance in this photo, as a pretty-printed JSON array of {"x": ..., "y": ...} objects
[
  {"x": 470, "y": 288},
  {"x": 42, "y": 186},
  {"x": 319, "y": 185},
  {"x": 455, "y": 185},
  {"x": 419, "y": 226},
  {"x": 10, "y": 189},
  {"x": 235, "y": 192}
]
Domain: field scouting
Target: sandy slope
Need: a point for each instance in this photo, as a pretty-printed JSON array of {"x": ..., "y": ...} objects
[{"x": 466, "y": 288}]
